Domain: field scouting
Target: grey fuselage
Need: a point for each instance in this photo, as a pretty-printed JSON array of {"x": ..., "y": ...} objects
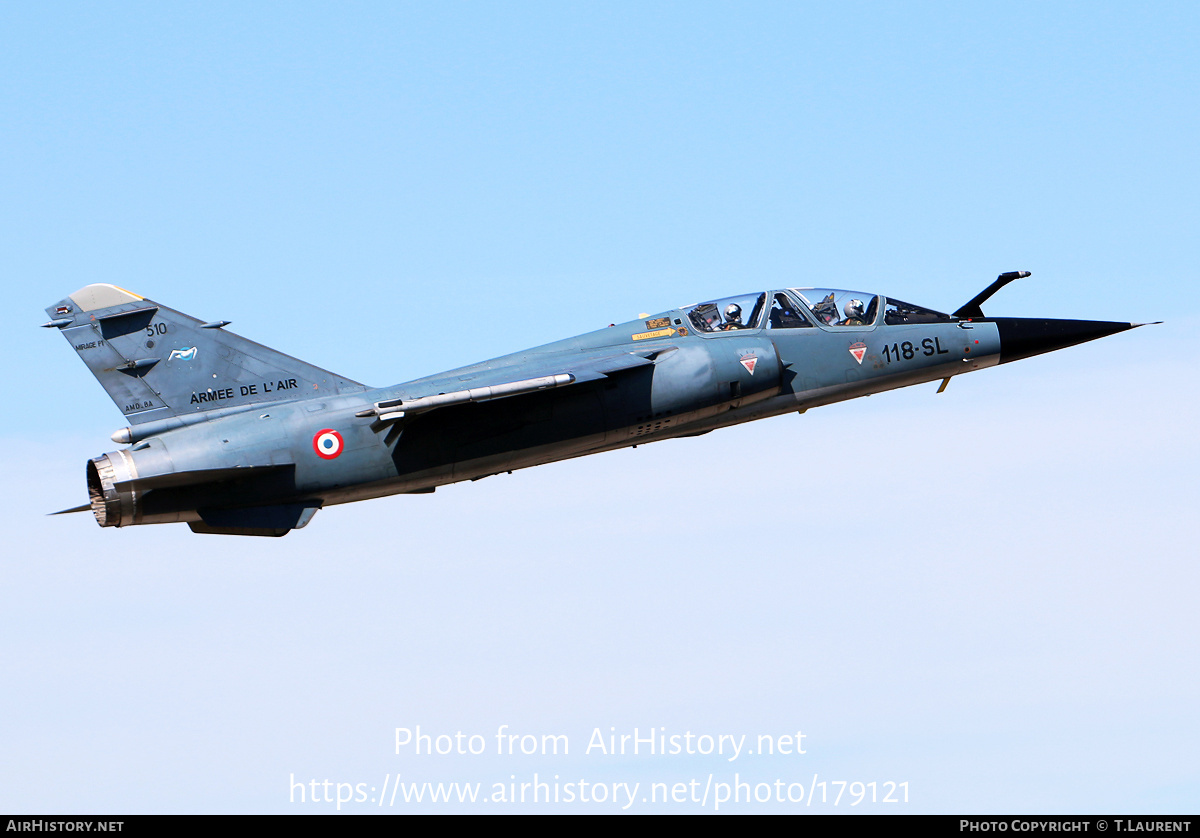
[{"x": 697, "y": 385}]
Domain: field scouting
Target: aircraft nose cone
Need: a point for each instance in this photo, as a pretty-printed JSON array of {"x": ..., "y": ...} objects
[{"x": 1024, "y": 337}]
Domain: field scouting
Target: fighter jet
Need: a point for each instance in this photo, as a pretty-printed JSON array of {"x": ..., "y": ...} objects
[{"x": 231, "y": 437}]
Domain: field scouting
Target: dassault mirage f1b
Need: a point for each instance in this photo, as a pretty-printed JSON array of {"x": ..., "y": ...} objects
[{"x": 231, "y": 437}]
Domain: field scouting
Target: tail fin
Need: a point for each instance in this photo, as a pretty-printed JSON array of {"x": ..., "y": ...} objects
[{"x": 158, "y": 363}]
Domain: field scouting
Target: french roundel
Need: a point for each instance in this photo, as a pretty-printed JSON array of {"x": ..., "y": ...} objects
[{"x": 328, "y": 444}]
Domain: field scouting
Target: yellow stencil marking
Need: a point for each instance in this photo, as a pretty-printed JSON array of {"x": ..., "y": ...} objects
[{"x": 657, "y": 333}]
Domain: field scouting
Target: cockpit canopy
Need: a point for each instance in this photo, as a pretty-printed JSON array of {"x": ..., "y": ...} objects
[
  {"x": 800, "y": 307},
  {"x": 728, "y": 314},
  {"x": 832, "y": 307}
]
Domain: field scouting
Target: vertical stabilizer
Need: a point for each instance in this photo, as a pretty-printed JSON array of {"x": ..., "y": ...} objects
[{"x": 157, "y": 363}]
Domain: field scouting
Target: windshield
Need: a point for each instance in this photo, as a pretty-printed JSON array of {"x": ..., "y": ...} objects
[{"x": 897, "y": 312}]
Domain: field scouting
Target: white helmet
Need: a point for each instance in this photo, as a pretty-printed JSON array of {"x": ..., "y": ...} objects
[
  {"x": 733, "y": 313},
  {"x": 854, "y": 309}
]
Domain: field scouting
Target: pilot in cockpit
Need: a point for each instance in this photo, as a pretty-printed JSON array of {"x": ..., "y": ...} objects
[
  {"x": 854, "y": 314},
  {"x": 733, "y": 317}
]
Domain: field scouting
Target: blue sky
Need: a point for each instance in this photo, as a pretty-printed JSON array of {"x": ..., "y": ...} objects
[{"x": 987, "y": 593}]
